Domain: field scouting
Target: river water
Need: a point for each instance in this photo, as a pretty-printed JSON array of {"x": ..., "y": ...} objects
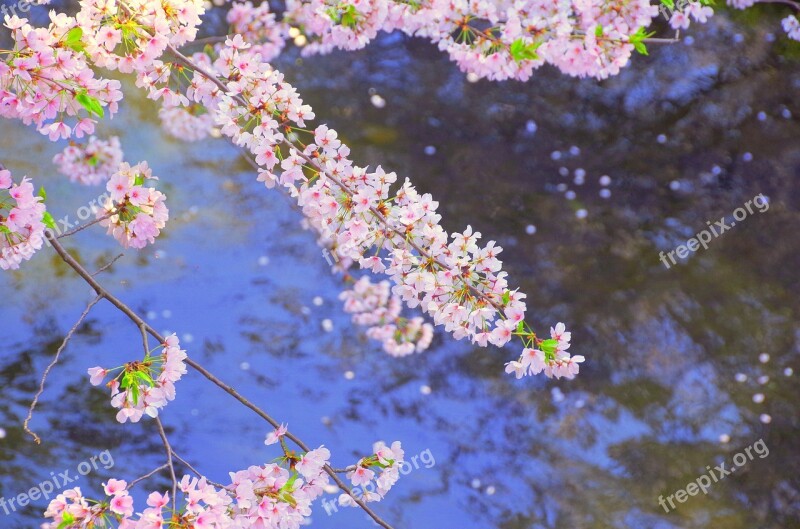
[{"x": 676, "y": 378}]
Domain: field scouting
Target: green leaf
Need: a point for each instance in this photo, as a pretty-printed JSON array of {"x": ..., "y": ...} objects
[
  {"x": 146, "y": 378},
  {"x": 521, "y": 51},
  {"x": 91, "y": 104},
  {"x": 521, "y": 326},
  {"x": 48, "y": 220},
  {"x": 350, "y": 16},
  {"x": 506, "y": 297},
  {"x": 93, "y": 161},
  {"x": 669, "y": 4},
  {"x": 289, "y": 483},
  {"x": 598, "y": 31},
  {"x": 43, "y": 193},
  {"x": 73, "y": 39},
  {"x": 66, "y": 520},
  {"x": 134, "y": 393},
  {"x": 548, "y": 346},
  {"x": 139, "y": 180},
  {"x": 637, "y": 40}
]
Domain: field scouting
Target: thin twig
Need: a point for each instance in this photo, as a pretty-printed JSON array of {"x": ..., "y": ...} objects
[
  {"x": 344, "y": 470},
  {"x": 82, "y": 227},
  {"x": 53, "y": 363},
  {"x": 199, "y": 474},
  {"x": 208, "y": 40},
  {"x": 107, "y": 265},
  {"x": 142, "y": 478},
  {"x": 168, "y": 448}
]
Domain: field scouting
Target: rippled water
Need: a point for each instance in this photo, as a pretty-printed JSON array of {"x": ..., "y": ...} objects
[{"x": 685, "y": 136}]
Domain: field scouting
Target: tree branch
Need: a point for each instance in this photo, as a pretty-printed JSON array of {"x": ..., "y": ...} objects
[{"x": 133, "y": 316}]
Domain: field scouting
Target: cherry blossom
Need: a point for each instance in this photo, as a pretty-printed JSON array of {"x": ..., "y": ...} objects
[
  {"x": 91, "y": 163},
  {"x": 386, "y": 461},
  {"x": 792, "y": 27},
  {"x": 143, "y": 387},
  {"x": 134, "y": 214},
  {"x": 274, "y": 497},
  {"x": 21, "y": 221},
  {"x": 373, "y": 305},
  {"x": 276, "y": 435}
]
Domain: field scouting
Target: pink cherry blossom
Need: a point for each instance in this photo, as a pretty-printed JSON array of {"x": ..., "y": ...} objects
[{"x": 275, "y": 436}]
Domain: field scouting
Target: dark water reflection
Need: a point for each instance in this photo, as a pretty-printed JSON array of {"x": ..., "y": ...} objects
[{"x": 236, "y": 277}]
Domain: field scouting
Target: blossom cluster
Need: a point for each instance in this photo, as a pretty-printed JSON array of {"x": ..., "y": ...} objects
[
  {"x": 143, "y": 387},
  {"x": 131, "y": 36},
  {"x": 792, "y": 27},
  {"x": 681, "y": 18},
  {"x": 45, "y": 80},
  {"x": 386, "y": 460},
  {"x": 373, "y": 305},
  {"x": 495, "y": 40},
  {"x": 358, "y": 212},
  {"x": 134, "y": 214},
  {"x": 271, "y": 496},
  {"x": 71, "y": 509},
  {"x": 186, "y": 122},
  {"x": 206, "y": 507},
  {"x": 260, "y": 26},
  {"x": 21, "y": 221},
  {"x": 91, "y": 163},
  {"x": 551, "y": 357}
]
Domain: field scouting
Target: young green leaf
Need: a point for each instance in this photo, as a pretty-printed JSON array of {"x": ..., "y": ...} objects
[
  {"x": 598, "y": 31},
  {"x": 521, "y": 51},
  {"x": 548, "y": 346},
  {"x": 637, "y": 39},
  {"x": 91, "y": 104},
  {"x": 43, "y": 193},
  {"x": 350, "y": 16},
  {"x": 73, "y": 39},
  {"x": 146, "y": 378},
  {"x": 66, "y": 520},
  {"x": 48, "y": 220}
]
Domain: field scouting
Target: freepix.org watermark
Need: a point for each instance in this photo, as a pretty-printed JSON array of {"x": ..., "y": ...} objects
[
  {"x": 425, "y": 458},
  {"x": 57, "y": 482},
  {"x": 718, "y": 473},
  {"x": 758, "y": 203}
]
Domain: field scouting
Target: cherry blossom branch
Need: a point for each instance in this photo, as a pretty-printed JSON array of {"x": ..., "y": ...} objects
[
  {"x": 63, "y": 345},
  {"x": 84, "y": 226},
  {"x": 187, "y": 62},
  {"x": 133, "y": 316}
]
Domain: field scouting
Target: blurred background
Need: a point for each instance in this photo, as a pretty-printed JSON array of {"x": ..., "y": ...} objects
[{"x": 582, "y": 182}]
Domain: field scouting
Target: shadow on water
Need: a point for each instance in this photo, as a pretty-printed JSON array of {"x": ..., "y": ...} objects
[{"x": 684, "y": 136}]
